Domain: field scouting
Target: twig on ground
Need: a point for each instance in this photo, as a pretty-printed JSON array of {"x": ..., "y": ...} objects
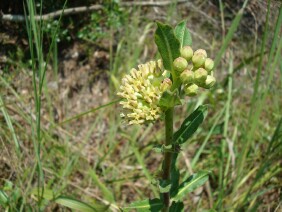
[
  {"x": 69, "y": 11},
  {"x": 76, "y": 10}
]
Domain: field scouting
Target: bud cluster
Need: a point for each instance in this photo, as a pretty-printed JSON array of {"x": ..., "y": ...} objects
[
  {"x": 141, "y": 90},
  {"x": 195, "y": 70}
]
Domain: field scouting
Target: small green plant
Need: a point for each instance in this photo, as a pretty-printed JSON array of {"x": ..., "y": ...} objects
[
  {"x": 53, "y": 26},
  {"x": 111, "y": 17},
  {"x": 152, "y": 91}
]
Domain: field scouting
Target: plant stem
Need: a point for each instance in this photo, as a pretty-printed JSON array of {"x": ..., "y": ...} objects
[{"x": 167, "y": 155}]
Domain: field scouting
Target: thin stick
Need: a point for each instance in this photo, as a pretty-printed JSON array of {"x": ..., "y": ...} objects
[{"x": 76, "y": 10}]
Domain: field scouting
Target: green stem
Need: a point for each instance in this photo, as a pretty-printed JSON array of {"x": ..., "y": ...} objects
[{"x": 167, "y": 155}]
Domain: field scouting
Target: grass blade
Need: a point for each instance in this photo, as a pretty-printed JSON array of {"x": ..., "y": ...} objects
[
  {"x": 89, "y": 111},
  {"x": 107, "y": 194},
  {"x": 229, "y": 36},
  {"x": 258, "y": 107},
  {"x": 10, "y": 126},
  {"x": 70, "y": 202},
  {"x": 75, "y": 204},
  {"x": 3, "y": 198}
]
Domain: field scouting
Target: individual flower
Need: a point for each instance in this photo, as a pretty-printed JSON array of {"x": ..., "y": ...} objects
[
  {"x": 180, "y": 64},
  {"x": 187, "y": 76},
  {"x": 186, "y": 52},
  {"x": 141, "y": 90},
  {"x": 191, "y": 90}
]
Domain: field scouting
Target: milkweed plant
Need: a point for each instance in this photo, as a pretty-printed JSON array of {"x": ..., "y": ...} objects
[{"x": 151, "y": 91}]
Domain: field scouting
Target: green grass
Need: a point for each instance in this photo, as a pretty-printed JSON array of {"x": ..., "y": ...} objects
[{"x": 90, "y": 160}]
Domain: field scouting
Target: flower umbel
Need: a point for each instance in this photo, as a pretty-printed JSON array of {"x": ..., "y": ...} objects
[
  {"x": 197, "y": 74},
  {"x": 141, "y": 91}
]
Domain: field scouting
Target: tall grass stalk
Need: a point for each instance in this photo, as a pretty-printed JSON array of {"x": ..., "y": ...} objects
[
  {"x": 201, "y": 149},
  {"x": 10, "y": 126},
  {"x": 39, "y": 67},
  {"x": 230, "y": 34},
  {"x": 271, "y": 66},
  {"x": 260, "y": 66},
  {"x": 140, "y": 159},
  {"x": 225, "y": 135},
  {"x": 34, "y": 36}
]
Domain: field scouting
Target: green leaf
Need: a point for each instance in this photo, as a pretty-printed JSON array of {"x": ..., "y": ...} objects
[
  {"x": 169, "y": 99},
  {"x": 164, "y": 186},
  {"x": 274, "y": 143},
  {"x": 190, "y": 125},
  {"x": 189, "y": 185},
  {"x": 70, "y": 202},
  {"x": 175, "y": 174},
  {"x": 3, "y": 198},
  {"x": 154, "y": 205},
  {"x": 168, "y": 44},
  {"x": 10, "y": 125},
  {"x": 169, "y": 48},
  {"x": 176, "y": 207},
  {"x": 160, "y": 148},
  {"x": 74, "y": 204},
  {"x": 183, "y": 34}
]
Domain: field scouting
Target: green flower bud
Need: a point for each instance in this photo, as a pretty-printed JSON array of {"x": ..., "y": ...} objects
[
  {"x": 209, "y": 64},
  {"x": 186, "y": 52},
  {"x": 166, "y": 84},
  {"x": 201, "y": 51},
  {"x": 180, "y": 64},
  {"x": 210, "y": 81},
  {"x": 187, "y": 76},
  {"x": 201, "y": 75},
  {"x": 198, "y": 59},
  {"x": 191, "y": 90}
]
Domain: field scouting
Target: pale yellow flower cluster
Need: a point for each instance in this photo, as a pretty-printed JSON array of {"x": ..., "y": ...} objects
[{"x": 141, "y": 91}]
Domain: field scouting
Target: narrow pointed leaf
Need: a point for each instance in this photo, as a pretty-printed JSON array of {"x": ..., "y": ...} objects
[
  {"x": 74, "y": 204},
  {"x": 189, "y": 185},
  {"x": 70, "y": 202},
  {"x": 153, "y": 205},
  {"x": 190, "y": 125},
  {"x": 10, "y": 125},
  {"x": 183, "y": 34}
]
